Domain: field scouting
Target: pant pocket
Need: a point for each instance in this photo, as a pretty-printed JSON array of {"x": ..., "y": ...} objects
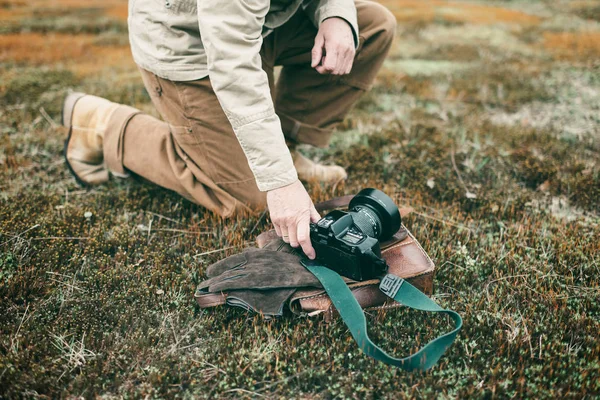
[
  {"x": 184, "y": 136},
  {"x": 152, "y": 83},
  {"x": 193, "y": 149}
]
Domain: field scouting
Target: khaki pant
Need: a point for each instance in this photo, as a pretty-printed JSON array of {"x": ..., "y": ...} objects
[{"x": 194, "y": 150}]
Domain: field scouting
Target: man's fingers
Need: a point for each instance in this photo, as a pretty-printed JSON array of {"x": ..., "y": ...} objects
[
  {"x": 288, "y": 206},
  {"x": 349, "y": 69},
  {"x": 341, "y": 64},
  {"x": 293, "y": 233},
  {"x": 277, "y": 229},
  {"x": 304, "y": 238},
  {"x": 331, "y": 59},
  {"x": 276, "y": 223},
  {"x": 317, "y": 51},
  {"x": 335, "y": 42},
  {"x": 314, "y": 215},
  {"x": 349, "y": 62},
  {"x": 321, "y": 69},
  {"x": 285, "y": 233},
  {"x": 346, "y": 65},
  {"x": 337, "y": 60}
]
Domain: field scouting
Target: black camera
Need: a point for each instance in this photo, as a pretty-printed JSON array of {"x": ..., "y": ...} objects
[{"x": 348, "y": 242}]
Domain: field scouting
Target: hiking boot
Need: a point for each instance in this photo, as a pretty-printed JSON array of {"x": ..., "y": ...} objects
[
  {"x": 309, "y": 170},
  {"x": 87, "y": 118}
]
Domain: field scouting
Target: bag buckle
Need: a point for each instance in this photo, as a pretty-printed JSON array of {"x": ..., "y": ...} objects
[{"x": 390, "y": 284}]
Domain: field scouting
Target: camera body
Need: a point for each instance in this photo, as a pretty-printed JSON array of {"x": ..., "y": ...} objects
[
  {"x": 348, "y": 241},
  {"x": 341, "y": 245}
]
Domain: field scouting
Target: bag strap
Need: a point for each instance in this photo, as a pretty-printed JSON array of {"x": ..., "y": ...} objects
[{"x": 402, "y": 292}]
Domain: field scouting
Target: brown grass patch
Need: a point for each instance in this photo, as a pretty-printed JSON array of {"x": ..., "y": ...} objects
[
  {"x": 9, "y": 14},
  {"x": 113, "y": 58},
  {"x": 429, "y": 11},
  {"x": 573, "y": 45},
  {"x": 37, "y": 48},
  {"x": 586, "y": 9},
  {"x": 81, "y": 51},
  {"x": 15, "y": 9},
  {"x": 11, "y": 3},
  {"x": 118, "y": 11}
]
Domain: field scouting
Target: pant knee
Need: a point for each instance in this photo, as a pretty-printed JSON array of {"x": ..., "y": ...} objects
[
  {"x": 386, "y": 21},
  {"x": 243, "y": 198},
  {"x": 381, "y": 22}
]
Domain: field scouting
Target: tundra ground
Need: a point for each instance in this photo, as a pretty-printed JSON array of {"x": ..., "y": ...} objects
[{"x": 485, "y": 119}]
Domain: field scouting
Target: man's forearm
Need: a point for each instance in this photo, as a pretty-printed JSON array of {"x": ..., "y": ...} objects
[
  {"x": 231, "y": 34},
  {"x": 320, "y": 10}
]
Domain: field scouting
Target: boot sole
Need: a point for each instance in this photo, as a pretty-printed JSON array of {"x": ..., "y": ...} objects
[{"x": 67, "y": 116}]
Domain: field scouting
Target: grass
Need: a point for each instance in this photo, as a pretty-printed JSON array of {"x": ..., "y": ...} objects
[
  {"x": 456, "y": 12},
  {"x": 96, "y": 285},
  {"x": 580, "y": 45},
  {"x": 63, "y": 16}
]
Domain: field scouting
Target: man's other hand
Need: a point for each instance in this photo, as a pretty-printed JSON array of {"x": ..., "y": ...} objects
[
  {"x": 333, "y": 52},
  {"x": 291, "y": 211}
]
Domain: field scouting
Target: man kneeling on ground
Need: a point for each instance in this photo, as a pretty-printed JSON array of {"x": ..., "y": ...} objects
[{"x": 229, "y": 133}]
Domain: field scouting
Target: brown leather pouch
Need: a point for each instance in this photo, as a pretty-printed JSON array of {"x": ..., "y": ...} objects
[
  {"x": 403, "y": 253},
  {"x": 405, "y": 258}
]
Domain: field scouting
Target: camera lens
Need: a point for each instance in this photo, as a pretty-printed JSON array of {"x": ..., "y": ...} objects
[{"x": 375, "y": 214}]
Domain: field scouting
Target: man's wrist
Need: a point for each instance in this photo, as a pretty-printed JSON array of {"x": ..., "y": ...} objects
[
  {"x": 286, "y": 179},
  {"x": 342, "y": 18},
  {"x": 346, "y": 14},
  {"x": 285, "y": 186}
]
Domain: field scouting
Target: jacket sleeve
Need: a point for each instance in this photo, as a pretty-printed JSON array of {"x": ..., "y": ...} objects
[
  {"x": 231, "y": 34},
  {"x": 319, "y": 10}
]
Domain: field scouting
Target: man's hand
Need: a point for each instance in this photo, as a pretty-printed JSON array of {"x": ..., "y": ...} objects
[
  {"x": 333, "y": 52},
  {"x": 291, "y": 211}
]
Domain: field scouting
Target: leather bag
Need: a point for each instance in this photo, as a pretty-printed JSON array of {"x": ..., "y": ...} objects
[{"x": 403, "y": 253}]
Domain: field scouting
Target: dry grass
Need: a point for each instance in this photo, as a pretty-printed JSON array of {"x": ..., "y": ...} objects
[
  {"x": 15, "y": 9},
  {"x": 118, "y": 12},
  {"x": 37, "y": 48},
  {"x": 64, "y": 16},
  {"x": 8, "y": 15},
  {"x": 588, "y": 9},
  {"x": 79, "y": 52},
  {"x": 61, "y": 4},
  {"x": 573, "y": 45},
  {"x": 414, "y": 11}
]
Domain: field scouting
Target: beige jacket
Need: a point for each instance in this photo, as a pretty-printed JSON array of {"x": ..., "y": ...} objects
[{"x": 184, "y": 40}]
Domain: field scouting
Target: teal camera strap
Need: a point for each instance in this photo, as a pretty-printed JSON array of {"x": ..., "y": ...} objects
[{"x": 399, "y": 290}]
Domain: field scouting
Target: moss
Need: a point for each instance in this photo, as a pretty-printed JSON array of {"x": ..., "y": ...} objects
[
  {"x": 533, "y": 169},
  {"x": 27, "y": 85},
  {"x": 456, "y": 52},
  {"x": 428, "y": 67},
  {"x": 591, "y": 13},
  {"x": 102, "y": 305},
  {"x": 584, "y": 189},
  {"x": 66, "y": 20}
]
